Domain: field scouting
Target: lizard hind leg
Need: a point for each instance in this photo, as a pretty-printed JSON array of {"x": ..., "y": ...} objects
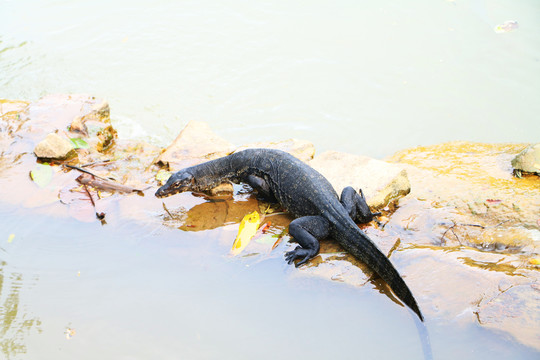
[
  {"x": 356, "y": 205},
  {"x": 307, "y": 231}
]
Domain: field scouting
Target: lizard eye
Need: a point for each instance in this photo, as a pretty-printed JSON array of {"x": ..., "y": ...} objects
[{"x": 176, "y": 184}]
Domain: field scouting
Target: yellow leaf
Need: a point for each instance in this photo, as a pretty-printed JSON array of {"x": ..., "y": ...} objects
[
  {"x": 534, "y": 261},
  {"x": 162, "y": 176},
  {"x": 10, "y": 238},
  {"x": 248, "y": 228}
]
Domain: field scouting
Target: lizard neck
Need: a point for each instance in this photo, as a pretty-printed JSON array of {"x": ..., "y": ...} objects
[{"x": 212, "y": 173}]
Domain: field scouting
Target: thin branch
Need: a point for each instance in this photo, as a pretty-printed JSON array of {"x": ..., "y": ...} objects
[
  {"x": 167, "y": 210},
  {"x": 85, "y": 171},
  {"x": 99, "y": 162}
]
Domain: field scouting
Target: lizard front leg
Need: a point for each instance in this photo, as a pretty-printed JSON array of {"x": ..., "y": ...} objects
[{"x": 307, "y": 231}]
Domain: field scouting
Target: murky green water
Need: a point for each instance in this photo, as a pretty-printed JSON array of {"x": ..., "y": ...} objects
[
  {"x": 366, "y": 78},
  {"x": 358, "y": 77}
]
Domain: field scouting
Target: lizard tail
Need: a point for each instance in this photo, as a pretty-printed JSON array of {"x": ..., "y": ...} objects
[{"x": 362, "y": 247}]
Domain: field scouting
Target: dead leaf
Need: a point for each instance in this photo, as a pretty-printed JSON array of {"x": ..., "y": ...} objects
[
  {"x": 280, "y": 238},
  {"x": 104, "y": 184},
  {"x": 248, "y": 228}
]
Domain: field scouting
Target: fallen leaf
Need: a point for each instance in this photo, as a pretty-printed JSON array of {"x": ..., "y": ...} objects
[
  {"x": 266, "y": 226},
  {"x": 534, "y": 261},
  {"x": 162, "y": 176},
  {"x": 10, "y": 238},
  {"x": 79, "y": 143},
  {"x": 104, "y": 184},
  {"x": 42, "y": 174},
  {"x": 278, "y": 241},
  {"x": 248, "y": 228}
]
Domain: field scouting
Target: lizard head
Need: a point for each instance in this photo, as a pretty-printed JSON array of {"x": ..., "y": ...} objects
[{"x": 178, "y": 182}]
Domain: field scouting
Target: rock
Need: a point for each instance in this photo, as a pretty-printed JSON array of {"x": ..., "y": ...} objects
[
  {"x": 10, "y": 121},
  {"x": 225, "y": 188},
  {"x": 54, "y": 147},
  {"x": 301, "y": 149},
  {"x": 391, "y": 193},
  {"x": 515, "y": 310},
  {"x": 460, "y": 284},
  {"x": 382, "y": 183},
  {"x": 528, "y": 160},
  {"x": 58, "y": 112},
  {"x": 105, "y": 138},
  {"x": 11, "y": 106},
  {"x": 473, "y": 224},
  {"x": 474, "y": 181},
  {"x": 195, "y": 144}
]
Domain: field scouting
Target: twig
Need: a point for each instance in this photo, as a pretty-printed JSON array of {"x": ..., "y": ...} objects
[
  {"x": 167, "y": 210},
  {"x": 475, "y": 225},
  {"x": 502, "y": 222},
  {"x": 106, "y": 161},
  {"x": 451, "y": 228},
  {"x": 101, "y": 215},
  {"x": 85, "y": 171},
  {"x": 276, "y": 213}
]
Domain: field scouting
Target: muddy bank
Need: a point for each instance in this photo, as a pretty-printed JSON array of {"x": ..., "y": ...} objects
[{"x": 457, "y": 224}]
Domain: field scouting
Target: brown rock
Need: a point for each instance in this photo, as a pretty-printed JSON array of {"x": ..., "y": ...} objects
[
  {"x": 528, "y": 160},
  {"x": 54, "y": 147},
  {"x": 474, "y": 180},
  {"x": 12, "y": 106},
  {"x": 10, "y": 122},
  {"x": 515, "y": 310},
  {"x": 301, "y": 149},
  {"x": 195, "y": 144},
  {"x": 57, "y": 112},
  {"x": 382, "y": 183}
]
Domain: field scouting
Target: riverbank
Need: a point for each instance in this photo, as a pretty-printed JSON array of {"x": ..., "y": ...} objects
[{"x": 456, "y": 223}]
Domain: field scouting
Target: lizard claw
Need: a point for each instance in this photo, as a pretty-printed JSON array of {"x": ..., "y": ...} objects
[{"x": 298, "y": 253}]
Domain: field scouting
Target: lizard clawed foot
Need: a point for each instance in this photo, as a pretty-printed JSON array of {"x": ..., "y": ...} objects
[{"x": 299, "y": 253}]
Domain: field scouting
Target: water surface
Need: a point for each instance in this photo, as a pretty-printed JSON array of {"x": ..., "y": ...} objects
[
  {"x": 135, "y": 291},
  {"x": 366, "y": 78}
]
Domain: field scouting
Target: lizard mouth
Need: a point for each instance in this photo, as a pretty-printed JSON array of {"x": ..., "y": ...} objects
[{"x": 163, "y": 192}]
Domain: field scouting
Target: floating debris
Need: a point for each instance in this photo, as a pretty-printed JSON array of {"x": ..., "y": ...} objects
[
  {"x": 505, "y": 27},
  {"x": 69, "y": 332},
  {"x": 42, "y": 174}
]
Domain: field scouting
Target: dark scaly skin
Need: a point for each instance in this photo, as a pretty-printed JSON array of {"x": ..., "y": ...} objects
[{"x": 307, "y": 195}]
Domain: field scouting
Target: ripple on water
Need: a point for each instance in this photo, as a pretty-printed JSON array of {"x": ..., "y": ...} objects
[{"x": 16, "y": 320}]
